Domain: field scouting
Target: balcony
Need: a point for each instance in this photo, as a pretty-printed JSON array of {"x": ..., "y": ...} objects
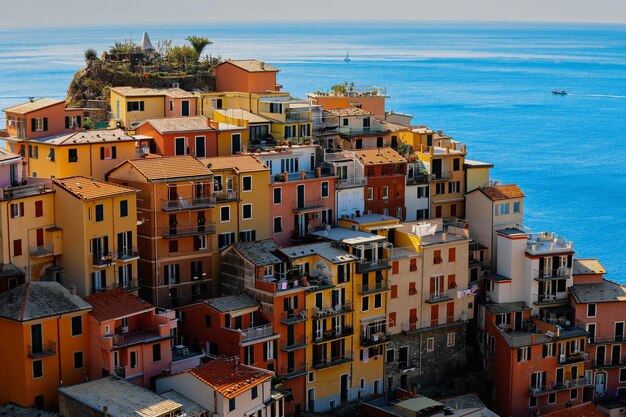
[
  {"x": 45, "y": 349},
  {"x": 103, "y": 259},
  {"x": 373, "y": 339},
  {"x": 299, "y": 342},
  {"x": 292, "y": 371},
  {"x": 191, "y": 230},
  {"x": 319, "y": 283},
  {"x": 364, "y": 266},
  {"x": 21, "y": 191},
  {"x": 609, "y": 363},
  {"x": 378, "y": 286},
  {"x": 351, "y": 183},
  {"x": 127, "y": 254},
  {"x": 308, "y": 205},
  {"x": 551, "y": 274},
  {"x": 429, "y": 325},
  {"x": 558, "y": 386},
  {"x": 42, "y": 251},
  {"x": 598, "y": 340},
  {"x": 419, "y": 179},
  {"x": 407, "y": 364},
  {"x": 574, "y": 358},
  {"x": 181, "y": 203},
  {"x": 226, "y": 196},
  {"x": 293, "y": 317},
  {"x": 441, "y": 176},
  {"x": 328, "y": 335},
  {"x": 281, "y": 284},
  {"x": 136, "y": 337},
  {"x": 547, "y": 299},
  {"x": 441, "y": 296},
  {"x": 258, "y": 332},
  {"x": 332, "y": 361},
  {"x": 331, "y": 311},
  {"x": 297, "y": 116},
  {"x": 128, "y": 285}
]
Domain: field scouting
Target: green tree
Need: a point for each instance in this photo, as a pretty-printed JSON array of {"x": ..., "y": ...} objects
[
  {"x": 182, "y": 55},
  {"x": 198, "y": 43},
  {"x": 88, "y": 124},
  {"x": 91, "y": 55}
]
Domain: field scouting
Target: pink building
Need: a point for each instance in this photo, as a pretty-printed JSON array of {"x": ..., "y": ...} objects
[{"x": 129, "y": 337}]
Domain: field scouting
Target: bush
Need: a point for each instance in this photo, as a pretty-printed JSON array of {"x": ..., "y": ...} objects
[
  {"x": 88, "y": 124},
  {"x": 91, "y": 55},
  {"x": 181, "y": 55}
]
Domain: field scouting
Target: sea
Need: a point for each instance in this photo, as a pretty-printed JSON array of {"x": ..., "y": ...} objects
[{"x": 486, "y": 84}]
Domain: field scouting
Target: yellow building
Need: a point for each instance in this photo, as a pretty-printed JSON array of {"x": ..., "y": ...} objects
[
  {"x": 44, "y": 343},
  {"x": 476, "y": 174},
  {"x": 101, "y": 220},
  {"x": 130, "y": 105},
  {"x": 90, "y": 153}
]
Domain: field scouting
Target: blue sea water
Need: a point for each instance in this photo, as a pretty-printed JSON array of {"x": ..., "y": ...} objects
[{"x": 487, "y": 85}]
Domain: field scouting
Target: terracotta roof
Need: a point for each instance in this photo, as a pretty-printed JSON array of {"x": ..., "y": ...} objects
[
  {"x": 91, "y": 189},
  {"x": 31, "y": 106},
  {"x": 394, "y": 127},
  {"x": 587, "y": 266},
  {"x": 251, "y": 65},
  {"x": 349, "y": 111},
  {"x": 238, "y": 163},
  {"x": 243, "y": 115},
  {"x": 587, "y": 409},
  {"x": 116, "y": 304},
  {"x": 171, "y": 168},
  {"x": 38, "y": 299},
  {"x": 152, "y": 92},
  {"x": 378, "y": 156},
  {"x": 180, "y": 124},
  {"x": 502, "y": 192},
  {"x": 7, "y": 156},
  {"x": 221, "y": 375},
  {"x": 89, "y": 136}
]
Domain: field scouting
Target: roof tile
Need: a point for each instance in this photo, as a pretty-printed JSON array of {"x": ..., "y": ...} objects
[
  {"x": 170, "y": 168},
  {"x": 379, "y": 156},
  {"x": 31, "y": 106},
  {"x": 228, "y": 378},
  {"x": 91, "y": 189},
  {"x": 116, "y": 304},
  {"x": 502, "y": 192}
]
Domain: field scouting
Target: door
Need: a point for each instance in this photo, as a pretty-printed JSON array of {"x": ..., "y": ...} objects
[
  {"x": 437, "y": 211},
  {"x": 434, "y": 315},
  {"x": 518, "y": 320},
  {"x": 200, "y": 147},
  {"x": 185, "y": 108},
  {"x": 619, "y": 331},
  {"x": 574, "y": 373},
  {"x": 450, "y": 313},
  {"x": 344, "y": 388},
  {"x": 290, "y": 335},
  {"x": 301, "y": 196},
  {"x": 179, "y": 146},
  {"x": 403, "y": 360},
  {"x": 559, "y": 376},
  {"x": 600, "y": 382},
  {"x": 600, "y": 355},
  {"x": 310, "y": 397},
  {"x": 591, "y": 329},
  {"x": 236, "y": 143},
  {"x": 436, "y": 168},
  {"x": 615, "y": 354}
]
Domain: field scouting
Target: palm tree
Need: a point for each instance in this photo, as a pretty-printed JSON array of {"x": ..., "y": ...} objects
[{"x": 198, "y": 43}]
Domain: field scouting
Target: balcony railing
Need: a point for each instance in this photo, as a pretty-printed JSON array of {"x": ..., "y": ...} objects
[
  {"x": 298, "y": 342},
  {"x": 596, "y": 340},
  {"x": 407, "y": 364},
  {"x": 373, "y": 339},
  {"x": 351, "y": 182},
  {"x": 558, "y": 386},
  {"x": 609, "y": 362},
  {"x": 224, "y": 196},
  {"x": 258, "y": 332},
  {"x": 550, "y": 274},
  {"x": 127, "y": 254},
  {"x": 332, "y": 361},
  {"x": 45, "y": 349},
  {"x": 22, "y": 191},
  {"x": 293, "y": 316},
  {"x": 330, "y": 311},
  {"x": 319, "y": 337},
  {"x": 550, "y": 298},
  {"x": 191, "y": 230},
  {"x": 308, "y": 204},
  {"x": 372, "y": 288},
  {"x": 101, "y": 259},
  {"x": 573, "y": 358},
  {"x": 136, "y": 337},
  {"x": 440, "y": 296},
  {"x": 418, "y": 179},
  {"x": 364, "y": 266},
  {"x": 42, "y": 251},
  {"x": 181, "y": 203},
  {"x": 292, "y": 371}
]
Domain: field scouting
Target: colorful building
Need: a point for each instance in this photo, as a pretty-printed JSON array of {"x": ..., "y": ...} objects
[
  {"x": 600, "y": 308},
  {"x": 132, "y": 105},
  {"x": 369, "y": 99},
  {"x": 350, "y": 185},
  {"x": 259, "y": 128},
  {"x": 175, "y": 212},
  {"x": 44, "y": 345},
  {"x": 100, "y": 222},
  {"x": 359, "y": 129},
  {"x": 246, "y": 75},
  {"x": 39, "y": 118},
  {"x": 128, "y": 337}
]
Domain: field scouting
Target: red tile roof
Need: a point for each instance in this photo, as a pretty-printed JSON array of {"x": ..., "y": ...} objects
[
  {"x": 502, "y": 192},
  {"x": 116, "y": 304},
  {"x": 587, "y": 409},
  {"x": 220, "y": 375}
]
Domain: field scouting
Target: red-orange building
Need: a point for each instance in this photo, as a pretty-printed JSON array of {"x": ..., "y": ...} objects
[
  {"x": 246, "y": 75},
  {"x": 600, "y": 307},
  {"x": 194, "y": 135},
  {"x": 385, "y": 171}
]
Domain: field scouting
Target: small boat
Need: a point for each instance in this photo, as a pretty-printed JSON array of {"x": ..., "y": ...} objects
[
  {"x": 559, "y": 92},
  {"x": 347, "y": 58}
]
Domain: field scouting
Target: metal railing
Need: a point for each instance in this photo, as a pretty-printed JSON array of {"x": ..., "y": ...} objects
[
  {"x": 298, "y": 342},
  {"x": 21, "y": 191},
  {"x": 332, "y": 334},
  {"x": 378, "y": 286},
  {"x": 610, "y": 362},
  {"x": 292, "y": 371},
  {"x": 573, "y": 358},
  {"x": 351, "y": 182},
  {"x": 223, "y": 196},
  {"x": 191, "y": 230},
  {"x": 45, "y": 349},
  {"x": 181, "y": 203},
  {"x": 330, "y": 311},
  {"x": 418, "y": 179},
  {"x": 309, "y": 204},
  {"x": 550, "y": 298},
  {"x": 104, "y": 258},
  {"x": 550, "y": 274},
  {"x": 594, "y": 340},
  {"x": 257, "y": 332},
  {"x": 332, "y": 361},
  {"x": 136, "y": 336},
  {"x": 42, "y": 250},
  {"x": 127, "y": 253},
  {"x": 558, "y": 386},
  {"x": 373, "y": 338},
  {"x": 293, "y": 316},
  {"x": 364, "y": 266}
]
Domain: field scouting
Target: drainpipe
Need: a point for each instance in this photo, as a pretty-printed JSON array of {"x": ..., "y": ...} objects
[
  {"x": 90, "y": 161},
  {"x": 156, "y": 246},
  {"x": 421, "y": 311},
  {"x": 59, "y": 352}
]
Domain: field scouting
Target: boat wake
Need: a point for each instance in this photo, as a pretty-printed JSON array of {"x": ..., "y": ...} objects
[{"x": 596, "y": 95}]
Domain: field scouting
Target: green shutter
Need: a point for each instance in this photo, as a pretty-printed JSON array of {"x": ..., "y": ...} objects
[
  {"x": 67, "y": 122},
  {"x": 78, "y": 121},
  {"x": 45, "y": 124},
  {"x": 114, "y": 152},
  {"x": 128, "y": 108},
  {"x": 33, "y": 123},
  {"x": 101, "y": 152}
]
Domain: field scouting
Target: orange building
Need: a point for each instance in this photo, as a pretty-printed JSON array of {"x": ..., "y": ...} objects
[
  {"x": 44, "y": 343},
  {"x": 195, "y": 135},
  {"x": 128, "y": 337},
  {"x": 246, "y": 75},
  {"x": 370, "y": 99}
]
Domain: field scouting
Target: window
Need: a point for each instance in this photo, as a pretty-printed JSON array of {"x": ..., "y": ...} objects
[
  {"x": 255, "y": 392},
  {"x": 430, "y": 344},
  {"x": 278, "y": 195},
  {"x": 134, "y": 106},
  {"x": 173, "y": 246},
  {"x": 437, "y": 257},
  {"x": 231, "y": 404},
  {"x": 516, "y": 208},
  {"x": 269, "y": 350},
  {"x": 156, "y": 352},
  {"x": 39, "y": 124},
  {"x": 246, "y": 211},
  {"x": 345, "y": 121},
  {"x": 133, "y": 359},
  {"x": 77, "y": 326},
  {"x": 451, "y": 254},
  {"x": 207, "y": 321},
  {"x": 171, "y": 105},
  {"x": 391, "y": 353},
  {"x": 378, "y": 301},
  {"x": 456, "y": 164},
  {"x": 552, "y": 398},
  {"x": 366, "y": 122},
  {"x": 72, "y": 155},
  {"x": 384, "y": 192},
  {"x": 124, "y": 208},
  {"x": 247, "y": 235},
  {"x": 454, "y": 187},
  {"x": 248, "y": 352},
  {"x": 108, "y": 152},
  {"x": 99, "y": 212},
  {"x": 278, "y": 224},
  {"x": 573, "y": 394},
  {"x": 225, "y": 239},
  {"x": 450, "y": 339},
  {"x": 37, "y": 369},
  {"x": 246, "y": 183},
  {"x": 201, "y": 242},
  {"x": 78, "y": 360},
  {"x": 591, "y": 310},
  {"x": 440, "y": 188},
  {"x": 225, "y": 214},
  {"x": 17, "y": 210},
  {"x": 504, "y": 209},
  {"x": 311, "y": 376},
  {"x": 370, "y": 193},
  {"x": 324, "y": 189},
  {"x": 290, "y": 132},
  {"x": 17, "y": 247},
  {"x": 365, "y": 303},
  {"x": 51, "y": 155},
  {"x": 532, "y": 401},
  {"x": 392, "y": 319},
  {"x": 523, "y": 354},
  {"x": 548, "y": 350}
]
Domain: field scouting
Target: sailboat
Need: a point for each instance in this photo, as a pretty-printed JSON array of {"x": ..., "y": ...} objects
[{"x": 347, "y": 58}]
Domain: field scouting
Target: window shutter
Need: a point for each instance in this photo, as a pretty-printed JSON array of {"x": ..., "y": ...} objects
[
  {"x": 141, "y": 105},
  {"x": 265, "y": 351},
  {"x": 196, "y": 243},
  {"x": 569, "y": 261},
  {"x": 295, "y": 302},
  {"x": 452, "y": 281},
  {"x": 432, "y": 285},
  {"x": 253, "y": 235},
  {"x": 78, "y": 121},
  {"x": 441, "y": 282},
  {"x": 45, "y": 124},
  {"x": 540, "y": 264},
  {"x": 114, "y": 152},
  {"x": 67, "y": 122},
  {"x": 22, "y": 209},
  {"x": 545, "y": 351},
  {"x": 128, "y": 108},
  {"x": 101, "y": 152},
  {"x": 33, "y": 124}
]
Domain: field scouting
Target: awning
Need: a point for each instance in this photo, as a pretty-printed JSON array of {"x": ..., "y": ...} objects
[{"x": 374, "y": 318}]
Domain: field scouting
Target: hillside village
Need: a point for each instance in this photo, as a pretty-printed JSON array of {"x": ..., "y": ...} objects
[{"x": 243, "y": 252}]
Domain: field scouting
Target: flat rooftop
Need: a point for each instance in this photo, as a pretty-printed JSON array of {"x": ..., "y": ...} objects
[
  {"x": 324, "y": 249},
  {"x": 600, "y": 292},
  {"x": 349, "y": 236},
  {"x": 232, "y": 303},
  {"x": 582, "y": 266}
]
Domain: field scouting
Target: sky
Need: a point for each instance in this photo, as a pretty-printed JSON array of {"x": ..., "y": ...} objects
[{"x": 60, "y": 13}]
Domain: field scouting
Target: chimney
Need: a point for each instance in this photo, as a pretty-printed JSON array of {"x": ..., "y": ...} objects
[
  {"x": 262, "y": 65},
  {"x": 286, "y": 176},
  {"x": 441, "y": 143},
  {"x": 318, "y": 172},
  {"x": 302, "y": 174},
  {"x": 463, "y": 148},
  {"x": 448, "y": 149},
  {"x": 440, "y": 132},
  {"x": 105, "y": 411}
]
